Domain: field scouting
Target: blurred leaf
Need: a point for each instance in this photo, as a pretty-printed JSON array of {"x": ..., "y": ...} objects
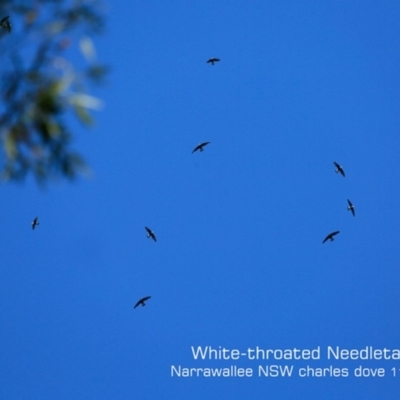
[
  {"x": 83, "y": 115},
  {"x": 86, "y": 101},
  {"x": 87, "y": 48},
  {"x": 10, "y": 145}
]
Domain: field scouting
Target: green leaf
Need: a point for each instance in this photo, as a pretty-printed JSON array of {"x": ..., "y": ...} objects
[
  {"x": 83, "y": 115},
  {"x": 10, "y": 145}
]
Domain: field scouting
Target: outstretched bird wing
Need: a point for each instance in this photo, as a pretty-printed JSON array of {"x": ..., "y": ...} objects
[
  {"x": 326, "y": 238},
  {"x": 138, "y": 303},
  {"x": 196, "y": 148},
  {"x": 213, "y": 60}
]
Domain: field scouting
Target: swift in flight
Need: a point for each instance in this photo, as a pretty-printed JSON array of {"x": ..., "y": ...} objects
[
  {"x": 142, "y": 301},
  {"x": 351, "y": 208},
  {"x": 339, "y": 168},
  {"x": 330, "y": 236},
  {"x": 150, "y": 233},
  {"x": 213, "y": 60},
  {"x": 35, "y": 222},
  {"x": 200, "y": 147}
]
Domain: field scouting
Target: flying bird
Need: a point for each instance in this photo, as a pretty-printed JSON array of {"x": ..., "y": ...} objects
[
  {"x": 351, "y": 208},
  {"x": 6, "y": 24},
  {"x": 200, "y": 147},
  {"x": 142, "y": 301},
  {"x": 35, "y": 222},
  {"x": 330, "y": 236},
  {"x": 150, "y": 234},
  {"x": 339, "y": 168},
  {"x": 213, "y": 60}
]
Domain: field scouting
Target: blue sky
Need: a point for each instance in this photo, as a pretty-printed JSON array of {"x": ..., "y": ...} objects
[{"x": 239, "y": 260}]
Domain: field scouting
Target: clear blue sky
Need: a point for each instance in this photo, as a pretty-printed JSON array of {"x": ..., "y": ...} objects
[{"x": 239, "y": 260}]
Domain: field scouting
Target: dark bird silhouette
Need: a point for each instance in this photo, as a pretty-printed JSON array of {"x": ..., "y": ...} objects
[
  {"x": 142, "y": 301},
  {"x": 351, "y": 208},
  {"x": 339, "y": 168},
  {"x": 330, "y": 236},
  {"x": 200, "y": 147},
  {"x": 213, "y": 60},
  {"x": 6, "y": 24},
  {"x": 35, "y": 222},
  {"x": 150, "y": 234}
]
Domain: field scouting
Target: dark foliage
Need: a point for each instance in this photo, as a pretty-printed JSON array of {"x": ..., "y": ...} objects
[{"x": 40, "y": 86}]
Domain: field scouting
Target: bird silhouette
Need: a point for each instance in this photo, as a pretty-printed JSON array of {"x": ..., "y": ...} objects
[
  {"x": 142, "y": 301},
  {"x": 330, "y": 236},
  {"x": 200, "y": 146},
  {"x": 213, "y": 60},
  {"x": 35, "y": 222},
  {"x": 351, "y": 208},
  {"x": 150, "y": 234},
  {"x": 339, "y": 168},
  {"x": 6, "y": 24}
]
